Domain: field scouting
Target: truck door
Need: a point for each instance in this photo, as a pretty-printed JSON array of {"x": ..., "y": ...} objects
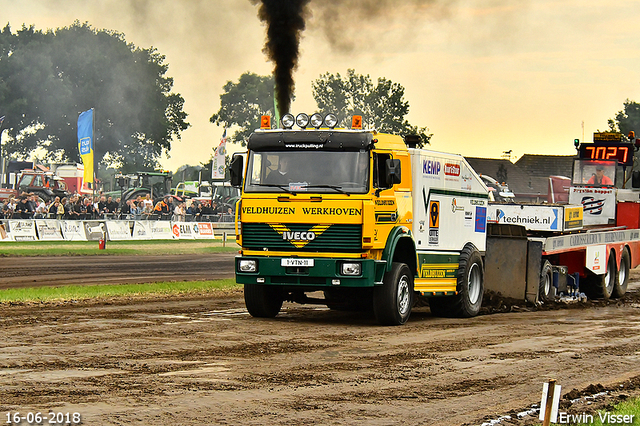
[{"x": 385, "y": 207}]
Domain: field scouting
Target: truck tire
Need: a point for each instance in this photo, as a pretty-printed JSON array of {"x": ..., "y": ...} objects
[
  {"x": 262, "y": 301},
  {"x": 470, "y": 283},
  {"x": 545, "y": 291},
  {"x": 622, "y": 277},
  {"x": 392, "y": 301},
  {"x": 601, "y": 286},
  {"x": 470, "y": 287}
]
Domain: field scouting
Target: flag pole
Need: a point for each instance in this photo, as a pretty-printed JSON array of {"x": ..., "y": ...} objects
[{"x": 93, "y": 157}]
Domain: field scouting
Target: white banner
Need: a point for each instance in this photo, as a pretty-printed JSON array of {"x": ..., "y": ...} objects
[
  {"x": 141, "y": 230},
  {"x": 73, "y": 230},
  {"x": 599, "y": 204},
  {"x": 118, "y": 230},
  {"x": 183, "y": 230},
  {"x": 95, "y": 230},
  {"x": 203, "y": 230},
  {"x": 49, "y": 230},
  {"x": 22, "y": 230},
  {"x": 160, "y": 230}
]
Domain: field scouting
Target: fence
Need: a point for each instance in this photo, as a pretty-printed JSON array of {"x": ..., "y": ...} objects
[{"x": 112, "y": 230}]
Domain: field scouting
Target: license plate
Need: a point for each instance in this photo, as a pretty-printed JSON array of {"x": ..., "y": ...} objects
[{"x": 298, "y": 263}]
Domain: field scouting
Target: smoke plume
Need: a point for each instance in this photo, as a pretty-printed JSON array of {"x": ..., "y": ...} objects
[{"x": 285, "y": 22}]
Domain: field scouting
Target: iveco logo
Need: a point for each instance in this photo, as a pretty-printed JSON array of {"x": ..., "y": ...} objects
[
  {"x": 299, "y": 239},
  {"x": 298, "y": 236}
]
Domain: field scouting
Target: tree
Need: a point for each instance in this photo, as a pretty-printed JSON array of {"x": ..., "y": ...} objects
[
  {"x": 243, "y": 103},
  {"x": 382, "y": 105},
  {"x": 627, "y": 120},
  {"x": 48, "y": 78}
]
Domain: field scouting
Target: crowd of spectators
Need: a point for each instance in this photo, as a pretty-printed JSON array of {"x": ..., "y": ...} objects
[{"x": 85, "y": 207}]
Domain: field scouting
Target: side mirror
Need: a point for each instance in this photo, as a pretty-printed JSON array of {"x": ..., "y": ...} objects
[
  {"x": 635, "y": 179},
  {"x": 235, "y": 170},
  {"x": 392, "y": 172}
]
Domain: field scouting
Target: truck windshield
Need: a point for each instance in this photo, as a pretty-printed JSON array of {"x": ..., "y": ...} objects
[{"x": 305, "y": 171}]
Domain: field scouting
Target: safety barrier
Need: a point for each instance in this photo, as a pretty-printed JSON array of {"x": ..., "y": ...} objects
[{"x": 112, "y": 230}]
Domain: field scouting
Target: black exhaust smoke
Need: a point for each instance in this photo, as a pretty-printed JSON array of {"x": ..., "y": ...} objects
[{"x": 285, "y": 21}]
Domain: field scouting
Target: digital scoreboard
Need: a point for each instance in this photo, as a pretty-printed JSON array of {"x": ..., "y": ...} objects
[{"x": 607, "y": 146}]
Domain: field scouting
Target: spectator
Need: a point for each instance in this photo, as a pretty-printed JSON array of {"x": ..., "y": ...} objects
[
  {"x": 42, "y": 209},
  {"x": 10, "y": 208},
  {"x": 90, "y": 210},
  {"x": 135, "y": 208},
  {"x": 102, "y": 206},
  {"x": 112, "y": 206},
  {"x": 57, "y": 209},
  {"x": 179, "y": 212},
  {"x": 23, "y": 208},
  {"x": 125, "y": 211},
  {"x": 75, "y": 211},
  {"x": 33, "y": 201},
  {"x": 147, "y": 205},
  {"x": 162, "y": 208}
]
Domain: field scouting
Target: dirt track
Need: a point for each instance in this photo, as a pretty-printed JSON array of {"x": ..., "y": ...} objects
[
  {"x": 204, "y": 360},
  {"x": 62, "y": 270}
]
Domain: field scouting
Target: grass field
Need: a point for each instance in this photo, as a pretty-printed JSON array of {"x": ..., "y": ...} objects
[
  {"x": 90, "y": 248},
  {"x": 76, "y": 293}
]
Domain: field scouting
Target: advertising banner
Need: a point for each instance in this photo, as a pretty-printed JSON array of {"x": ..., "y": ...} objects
[
  {"x": 599, "y": 204},
  {"x": 118, "y": 230},
  {"x": 203, "y": 230},
  {"x": 94, "y": 229},
  {"x": 183, "y": 230},
  {"x": 22, "y": 230},
  {"x": 73, "y": 230},
  {"x": 161, "y": 230},
  {"x": 537, "y": 217},
  {"x": 49, "y": 230},
  {"x": 141, "y": 230}
]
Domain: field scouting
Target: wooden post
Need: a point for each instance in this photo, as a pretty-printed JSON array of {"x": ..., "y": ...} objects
[{"x": 549, "y": 404}]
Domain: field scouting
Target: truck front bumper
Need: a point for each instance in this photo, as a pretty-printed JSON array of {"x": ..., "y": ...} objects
[{"x": 324, "y": 272}]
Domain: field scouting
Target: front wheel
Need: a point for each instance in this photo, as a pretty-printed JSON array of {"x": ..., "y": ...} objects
[
  {"x": 392, "y": 301},
  {"x": 622, "y": 279},
  {"x": 262, "y": 301}
]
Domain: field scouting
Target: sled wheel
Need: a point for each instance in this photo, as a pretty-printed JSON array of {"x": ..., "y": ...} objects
[
  {"x": 622, "y": 278},
  {"x": 601, "y": 286},
  {"x": 545, "y": 291}
]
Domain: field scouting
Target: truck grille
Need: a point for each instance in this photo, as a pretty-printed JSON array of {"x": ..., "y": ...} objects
[{"x": 336, "y": 238}]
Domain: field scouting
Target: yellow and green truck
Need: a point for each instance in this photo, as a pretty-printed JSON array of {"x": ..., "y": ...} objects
[{"x": 364, "y": 219}]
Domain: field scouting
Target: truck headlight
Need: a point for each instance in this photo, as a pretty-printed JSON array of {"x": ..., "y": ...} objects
[
  {"x": 351, "y": 268},
  {"x": 247, "y": 265}
]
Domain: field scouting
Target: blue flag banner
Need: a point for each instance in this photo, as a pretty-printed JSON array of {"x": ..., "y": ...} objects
[{"x": 85, "y": 144}]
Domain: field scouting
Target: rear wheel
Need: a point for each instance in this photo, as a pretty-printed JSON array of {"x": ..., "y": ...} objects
[
  {"x": 392, "y": 301},
  {"x": 545, "y": 291},
  {"x": 262, "y": 301},
  {"x": 601, "y": 286},
  {"x": 470, "y": 288},
  {"x": 622, "y": 278}
]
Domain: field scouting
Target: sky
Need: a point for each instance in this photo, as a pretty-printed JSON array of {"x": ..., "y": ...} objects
[{"x": 484, "y": 76}]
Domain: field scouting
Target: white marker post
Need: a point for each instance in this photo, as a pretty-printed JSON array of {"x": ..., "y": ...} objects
[{"x": 549, "y": 403}]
